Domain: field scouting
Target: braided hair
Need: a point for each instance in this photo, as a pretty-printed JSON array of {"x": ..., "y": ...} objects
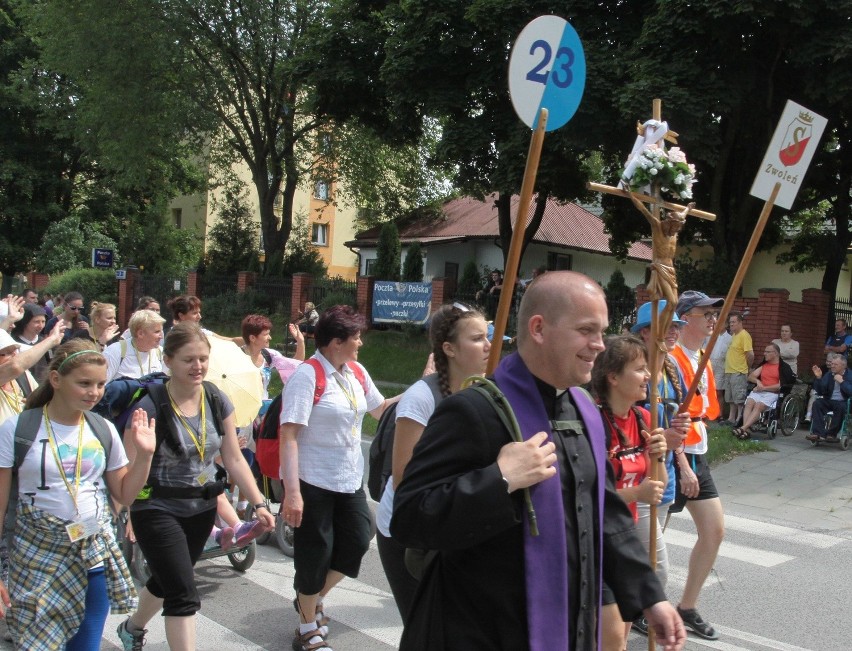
[
  {"x": 620, "y": 351},
  {"x": 444, "y": 327}
]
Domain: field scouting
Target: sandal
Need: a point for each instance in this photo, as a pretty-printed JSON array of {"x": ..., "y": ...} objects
[
  {"x": 302, "y": 641},
  {"x": 741, "y": 434},
  {"x": 321, "y": 617}
]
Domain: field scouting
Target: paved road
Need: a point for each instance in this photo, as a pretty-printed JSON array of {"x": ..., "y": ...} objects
[{"x": 781, "y": 581}]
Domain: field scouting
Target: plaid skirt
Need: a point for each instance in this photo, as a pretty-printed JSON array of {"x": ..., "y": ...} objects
[{"x": 48, "y": 578}]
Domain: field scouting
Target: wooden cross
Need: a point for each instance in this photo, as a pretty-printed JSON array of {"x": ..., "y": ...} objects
[
  {"x": 664, "y": 229},
  {"x": 663, "y": 284}
]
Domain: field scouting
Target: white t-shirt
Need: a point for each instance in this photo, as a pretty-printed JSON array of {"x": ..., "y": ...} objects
[
  {"x": 330, "y": 439},
  {"x": 135, "y": 363},
  {"x": 39, "y": 479},
  {"x": 418, "y": 404}
]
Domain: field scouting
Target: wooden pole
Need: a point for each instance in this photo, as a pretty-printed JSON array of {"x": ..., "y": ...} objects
[
  {"x": 653, "y": 355},
  {"x": 732, "y": 293},
  {"x": 510, "y": 273}
]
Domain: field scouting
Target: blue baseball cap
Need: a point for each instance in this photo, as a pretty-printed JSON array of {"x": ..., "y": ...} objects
[{"x": 643, "y": 317}]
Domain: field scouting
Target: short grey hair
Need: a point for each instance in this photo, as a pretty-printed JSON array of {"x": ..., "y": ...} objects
[
  {"x": 144, "y": 319},
  {"x": 835, "y": 356}
]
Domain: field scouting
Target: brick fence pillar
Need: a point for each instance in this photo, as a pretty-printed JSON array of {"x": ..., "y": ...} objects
[
  {"x": 642, "y": 295},
  {"x": 245, "y": 280},
  {"x": 300, "y": 293},
  {"x": 812, "y": 336},
  {"x": 773, "y": 309},
  {"x": 36, "y": 280},
  {"x": 442, "y": 292},
  {"x": 126, "y": 293},
  {"x": 365, "y": 298},
  {"x": 193, "y": 284}
]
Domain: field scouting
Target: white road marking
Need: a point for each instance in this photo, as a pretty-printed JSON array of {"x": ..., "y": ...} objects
[{"x": 729, "y": 550}]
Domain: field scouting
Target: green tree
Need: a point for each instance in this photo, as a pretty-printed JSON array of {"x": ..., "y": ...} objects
[
  {"x": 412, "y": 270},
  {"x": 388, "y": 253},
  {"x": 232, "y": 238},
  {"x": 300, "y": 256},
  {"x": 259, "y": 82},
  {"x": 68, "y": 244},
  {"x": 471, "y": 279}
]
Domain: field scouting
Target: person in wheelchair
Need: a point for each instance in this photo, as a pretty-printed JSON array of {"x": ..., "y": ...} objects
[
  {"x": 835, "y": 389},
  {"x": 769, "y": 376}
]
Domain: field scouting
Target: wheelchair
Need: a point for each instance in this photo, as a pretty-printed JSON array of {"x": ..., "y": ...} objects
[
  {"x": 785, "y": 415},
  {"x": 845, "y": 432}
]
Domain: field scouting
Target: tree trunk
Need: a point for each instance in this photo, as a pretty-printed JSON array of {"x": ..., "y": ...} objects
[{"x": 504, "y": 220}]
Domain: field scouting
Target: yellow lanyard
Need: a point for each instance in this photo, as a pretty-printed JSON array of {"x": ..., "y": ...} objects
[
  {"x": 199, "y": 445},
  {"x": 51, "y": 441},
  {"x": 349, "y": 392},
  {"x": 139, "y": 361},
  {"x": 13, "y": 398}
]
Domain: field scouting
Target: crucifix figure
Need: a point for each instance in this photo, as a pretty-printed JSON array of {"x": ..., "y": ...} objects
[{"x": 665, "y": 218}]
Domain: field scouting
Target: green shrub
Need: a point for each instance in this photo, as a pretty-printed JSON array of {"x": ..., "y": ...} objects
[
  {"x": 339, "y": 297},
  {"x": 227, "y": 310},
  {"x": 93, "y": 284}
]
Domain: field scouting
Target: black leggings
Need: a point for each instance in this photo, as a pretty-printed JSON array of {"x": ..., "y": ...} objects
[
  {"x": 402, "y": 584},
  {"x": 171, "y": 545}
]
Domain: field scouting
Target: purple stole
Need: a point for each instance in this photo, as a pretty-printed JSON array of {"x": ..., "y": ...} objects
[{"x": 546, "y": 555}]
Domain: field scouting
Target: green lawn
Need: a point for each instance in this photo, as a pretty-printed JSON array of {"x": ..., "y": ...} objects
[{"x": 398, "y": 357}]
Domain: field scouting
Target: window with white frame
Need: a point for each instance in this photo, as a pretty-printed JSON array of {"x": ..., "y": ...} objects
[{"x": 319, "y": 234}]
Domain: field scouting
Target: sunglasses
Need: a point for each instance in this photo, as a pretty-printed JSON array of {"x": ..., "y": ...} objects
[{"x": 76, "y": 308}]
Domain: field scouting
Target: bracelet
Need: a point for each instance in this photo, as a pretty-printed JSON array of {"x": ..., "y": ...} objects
[{"x": 260, "y": 505}]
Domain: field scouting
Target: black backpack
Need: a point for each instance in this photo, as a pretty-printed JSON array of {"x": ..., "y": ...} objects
[{"x": 381, "y": 449}]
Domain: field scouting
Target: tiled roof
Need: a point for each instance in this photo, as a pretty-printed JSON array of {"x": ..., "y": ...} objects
[{"x": 566, "y": 225}]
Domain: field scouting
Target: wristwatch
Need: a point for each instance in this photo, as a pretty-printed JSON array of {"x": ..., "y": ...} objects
[{"x": 260, "y": 505}]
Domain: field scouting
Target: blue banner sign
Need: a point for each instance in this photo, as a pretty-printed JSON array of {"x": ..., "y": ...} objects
[
  {"x": 102, "y": 258},
  {"x": 401, "y": 302}
]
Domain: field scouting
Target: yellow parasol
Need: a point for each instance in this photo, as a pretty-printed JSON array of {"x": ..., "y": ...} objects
[{"x": 236, "y": 375}]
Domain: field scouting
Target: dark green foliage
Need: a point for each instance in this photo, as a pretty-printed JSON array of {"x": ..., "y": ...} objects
[
  {"x": 300, "y": 255},
  {"x": 93, "y": 284},
  {"x": 616, "y": 289},
  {"x": 412, "y": 270},
  {"x": 232, "y": 240},
  {"x": 388, "y": 253},
  {"x": 229, "y": 308},
  {"x": 711, "y": 276},
  {"x": 68, "y": 244},
  {"x": 338, "y": 297},
  {"x": 471, "y": 279}
]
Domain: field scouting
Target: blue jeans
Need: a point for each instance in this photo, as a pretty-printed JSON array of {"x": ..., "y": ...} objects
[{"x": 88, "y": 636}]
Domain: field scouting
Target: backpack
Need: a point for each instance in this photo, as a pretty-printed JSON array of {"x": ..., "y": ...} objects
[
  {"x": 26, "y": 430},
  {"x": 266, "y": 435},
  {"x": 381, "y": 449},
  {"x": 122, "y": 395}
]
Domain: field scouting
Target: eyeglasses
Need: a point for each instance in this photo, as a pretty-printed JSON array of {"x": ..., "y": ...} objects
[
  {"x": 771, "y": 350},
  {"x": 710, "y": 316}
]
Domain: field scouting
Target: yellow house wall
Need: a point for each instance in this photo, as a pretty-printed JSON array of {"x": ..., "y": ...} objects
[
  {"x": 197, "y": 211},
  {"x": 765, "y": 273}
]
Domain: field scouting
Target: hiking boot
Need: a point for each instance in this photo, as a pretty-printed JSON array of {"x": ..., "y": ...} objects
[
  {"x": 131, "y": 641},
  {"x": 225, "y": 538},
  {"x": 248, "y": 531},
  {"x": 692, "y": 620},
  {"x": 640, "y": 625}
]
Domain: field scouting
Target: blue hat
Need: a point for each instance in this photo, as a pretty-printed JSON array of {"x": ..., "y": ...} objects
[{"x": 643, "y": 317}]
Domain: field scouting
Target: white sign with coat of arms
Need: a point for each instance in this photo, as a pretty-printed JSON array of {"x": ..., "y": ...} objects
[{"x": 789, "y": 154}]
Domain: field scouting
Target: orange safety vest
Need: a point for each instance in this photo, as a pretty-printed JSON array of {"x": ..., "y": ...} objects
[{"x": 696, "y": 406}]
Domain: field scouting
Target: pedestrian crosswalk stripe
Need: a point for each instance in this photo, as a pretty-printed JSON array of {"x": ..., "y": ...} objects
[
  {"x": 730, "y": 550},
  {"x": 210, "y": 635},
  {"x": 365, "y": 608},
  {"x": 787, "y": 534},
  {"x": 727, "y": 631}
]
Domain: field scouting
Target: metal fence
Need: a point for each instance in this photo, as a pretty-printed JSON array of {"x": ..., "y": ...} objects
[
  {"x": 334, "y": 291},
  {"x": 160, "y": 287},
  {"x": 277, "y": 291},
  {"x": 217, "y": 285},
  {"x": 840, "y": 309}
]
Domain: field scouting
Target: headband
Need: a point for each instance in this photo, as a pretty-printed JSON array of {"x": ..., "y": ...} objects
[{"x": 79, "y": 352}]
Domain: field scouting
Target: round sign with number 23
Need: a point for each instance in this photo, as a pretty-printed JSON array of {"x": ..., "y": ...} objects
[{"x": 547, "y": 69}]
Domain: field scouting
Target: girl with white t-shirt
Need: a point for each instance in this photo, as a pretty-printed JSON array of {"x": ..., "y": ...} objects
[
  {"x": 67, "y": 570},
  {"x": 460, "y": 347}
]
